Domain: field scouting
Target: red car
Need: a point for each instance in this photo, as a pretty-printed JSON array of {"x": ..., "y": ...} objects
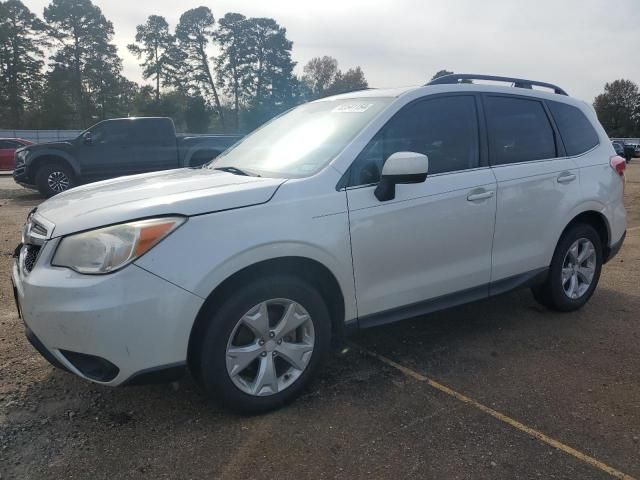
[{"x": 8, "y": 148}]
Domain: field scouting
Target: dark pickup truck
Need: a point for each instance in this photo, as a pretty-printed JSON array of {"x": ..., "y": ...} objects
[{"x": 113, "y": 148}]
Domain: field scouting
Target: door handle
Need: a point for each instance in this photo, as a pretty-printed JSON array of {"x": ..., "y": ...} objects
[
  {"x": 566, "y": 178},
  {"x": 474, "y": 197}
]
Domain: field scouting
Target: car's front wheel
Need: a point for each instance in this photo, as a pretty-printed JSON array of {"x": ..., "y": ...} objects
[
  {"x": 264, "y": 343},
  {"x": 574, "y": 271},
  {"x": 54, "y": 178}
]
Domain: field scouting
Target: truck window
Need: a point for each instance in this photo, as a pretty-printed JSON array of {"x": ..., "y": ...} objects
[
  {"x": 154, "y": 132},
  {"x": 110, "y": 132}
]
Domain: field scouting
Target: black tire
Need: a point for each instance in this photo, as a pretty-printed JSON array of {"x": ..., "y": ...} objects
[
  {"x": 212, "y": 369},
  {"x": 60, "y": 171},
  {"x": 551, "y": 293}
]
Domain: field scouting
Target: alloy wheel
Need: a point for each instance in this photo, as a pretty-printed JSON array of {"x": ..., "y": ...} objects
[
  {"x": 578, "y": 268},
  {"x": 58, "y": 181},
  {"x": 270, "y": 347}
]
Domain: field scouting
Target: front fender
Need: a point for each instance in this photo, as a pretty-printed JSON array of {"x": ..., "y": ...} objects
[
  {"x": 37, "y": 157},
  {"x": 271, "y": 251},
  {"x": 208, "y": 249}
]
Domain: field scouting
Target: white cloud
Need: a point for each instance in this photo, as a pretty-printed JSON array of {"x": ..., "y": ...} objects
[{"x": 578, "y": 44}]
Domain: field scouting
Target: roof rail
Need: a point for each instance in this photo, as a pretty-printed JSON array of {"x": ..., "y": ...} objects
[{"x": 517, "y": 82}]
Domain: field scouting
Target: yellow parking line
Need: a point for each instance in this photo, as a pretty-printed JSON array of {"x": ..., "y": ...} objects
[{"x": 500, "y": 416}]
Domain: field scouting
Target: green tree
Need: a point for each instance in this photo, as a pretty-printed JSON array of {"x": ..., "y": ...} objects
[
  {"x": 322, "y": 78},
  {"x": 144, "y": 103},
  {"x": 441, "y": 73},
  {"x": 22, "y": 38},
  {"x": 319, "y": 74},
  {"x": 84, "y": 52},
  {"x": 160, "y": 56},
  {"x": 194, "y": 33},
  {"x": 233, "y": 64},
  {"x": 197, "y": 115},
  {"x": 353, "y": 79},
  {"x": 107, "y": 88},
  {"x": 618, "y": 108},
  {"x": 270, "y": 57},
  {"x": 271, "y": 71},
  {"x": 172, "y": 103},
  {"x": 56, "y": 103}
]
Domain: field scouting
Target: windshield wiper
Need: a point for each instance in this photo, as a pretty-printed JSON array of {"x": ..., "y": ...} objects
[{"x": 236, "y": 171}]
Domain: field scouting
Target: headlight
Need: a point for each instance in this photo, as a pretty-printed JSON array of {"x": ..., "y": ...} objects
[{"x": 108, "y": 249}]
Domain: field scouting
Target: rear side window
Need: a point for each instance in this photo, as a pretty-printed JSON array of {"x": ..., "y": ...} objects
[
  {"x": 519, "y": 130},
  {"x": 576, "y": 130},
  {"x": 153, "y": 132}
]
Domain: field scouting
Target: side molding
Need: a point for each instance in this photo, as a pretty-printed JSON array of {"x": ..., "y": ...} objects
[
  {"x": 425, "y": 307},
  {"x": 523, "y": 280},
  {"x": 444, "y": 302}
]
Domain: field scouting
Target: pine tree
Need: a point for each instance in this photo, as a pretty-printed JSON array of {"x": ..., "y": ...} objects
[
  {"x": 22, "y": 38},
  {"x": 84, "y": 54}
]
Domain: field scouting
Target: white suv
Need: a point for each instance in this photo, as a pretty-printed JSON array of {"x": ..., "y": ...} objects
[{"x": 351, "y": 211}]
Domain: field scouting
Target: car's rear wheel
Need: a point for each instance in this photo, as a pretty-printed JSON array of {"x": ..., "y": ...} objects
[
  {"x": 264, "y": 343},
  {"x": 54, "y": 178},
  {"x": 574, "y": 271}
]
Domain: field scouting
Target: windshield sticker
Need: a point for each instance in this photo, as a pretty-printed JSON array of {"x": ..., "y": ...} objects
[{"x": 352, "y": 108}]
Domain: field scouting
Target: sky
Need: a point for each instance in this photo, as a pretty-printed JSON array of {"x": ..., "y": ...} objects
[{"x": 577, "y": 44}]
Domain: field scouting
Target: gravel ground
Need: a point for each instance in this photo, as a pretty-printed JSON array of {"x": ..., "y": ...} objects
[{"x": 572, "y": 376}]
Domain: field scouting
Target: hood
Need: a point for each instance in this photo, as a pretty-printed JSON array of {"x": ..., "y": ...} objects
[
  {"x": 47, "y": 146},
  {"x": 182, "y": 192}
]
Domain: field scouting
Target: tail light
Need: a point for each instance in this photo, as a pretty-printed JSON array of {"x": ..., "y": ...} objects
[{"x": 618, "y": 164}]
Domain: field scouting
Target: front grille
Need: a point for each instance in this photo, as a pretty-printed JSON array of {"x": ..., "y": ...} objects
[
  {"x": 19, "y": 167},
  {"x": 34, "y": 236},
  {"x": 30, "y": 257}
]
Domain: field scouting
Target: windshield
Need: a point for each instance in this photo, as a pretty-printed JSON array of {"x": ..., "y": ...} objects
[{"x": 302, "y": 141}]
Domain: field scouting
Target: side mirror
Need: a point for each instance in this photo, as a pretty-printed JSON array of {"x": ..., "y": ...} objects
[
  {"x": 87, "y": 138},
  {"x": 401, "y": 167}
]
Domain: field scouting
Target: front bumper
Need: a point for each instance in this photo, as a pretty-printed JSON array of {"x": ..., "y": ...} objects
[
  {"x": 21, "y": 173},
  {"x": 131, "y": 319}
]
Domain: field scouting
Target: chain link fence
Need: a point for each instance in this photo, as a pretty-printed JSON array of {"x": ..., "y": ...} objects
[{"x": 40, "y": 136}]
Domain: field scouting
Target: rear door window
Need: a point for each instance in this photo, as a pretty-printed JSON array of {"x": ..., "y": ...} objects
[
  {"x": 519, "y": 130},
  {"x": 578, "y": 135},
  {"x": 153, "y": 132}
]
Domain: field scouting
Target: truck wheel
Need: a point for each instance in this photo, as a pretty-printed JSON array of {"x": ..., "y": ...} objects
[
  {"x": 54, "y": 178},
  {"x": 264, "y": 344},
  {"x": 574, "y": 271}
]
